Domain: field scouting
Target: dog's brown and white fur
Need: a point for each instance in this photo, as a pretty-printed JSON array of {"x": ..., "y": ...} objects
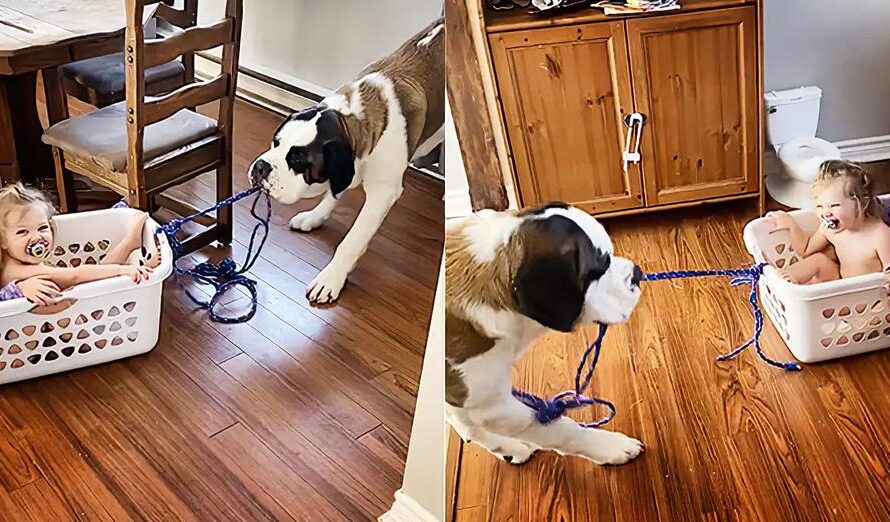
[
  {"x": 364, "y": 134},
  {"x": 510, "y": 277}
]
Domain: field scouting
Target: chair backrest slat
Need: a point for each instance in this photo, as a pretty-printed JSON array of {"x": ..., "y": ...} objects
[
  {"x": 140, "y": 55},
  {"x": 185, "y": 17},
  {"x": 200, "y": 38},
  {"x": 192, "y": 95}
]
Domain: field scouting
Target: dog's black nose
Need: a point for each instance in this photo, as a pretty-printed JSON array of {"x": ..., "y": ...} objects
[
  {"x": 260, "y": 171},
  {"x": 637, "y": 276}
]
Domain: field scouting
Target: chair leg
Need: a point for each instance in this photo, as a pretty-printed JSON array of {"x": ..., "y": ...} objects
[
  {"x": 64, "y": 184},
  {"x": 223, "y": 191},
  {"x": 138, "y": 198}
]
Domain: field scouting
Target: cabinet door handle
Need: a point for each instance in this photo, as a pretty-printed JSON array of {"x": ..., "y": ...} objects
[{"x": 634, "y": 123}]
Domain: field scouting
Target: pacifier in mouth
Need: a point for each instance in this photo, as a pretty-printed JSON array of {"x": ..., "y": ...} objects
[
  {"x": 38, "y": 248},
  {"x": 830, "y": 224}
]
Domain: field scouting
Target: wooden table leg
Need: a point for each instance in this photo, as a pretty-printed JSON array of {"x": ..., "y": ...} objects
[{"x": 22, "y": 154}]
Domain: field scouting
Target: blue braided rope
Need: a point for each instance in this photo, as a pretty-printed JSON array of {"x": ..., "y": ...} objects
[
  {"x": 740, "y": 276},
  {"x": 226, "y": 274},
  {"x": 548, "y": 410}
]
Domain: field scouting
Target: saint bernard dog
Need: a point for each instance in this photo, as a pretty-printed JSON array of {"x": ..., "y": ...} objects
[
  {"x": 509, "y": 278},
  {"x": 364, "y": 134}
]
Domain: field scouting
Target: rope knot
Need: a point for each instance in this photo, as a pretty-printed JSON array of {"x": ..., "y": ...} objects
[{"x": 549, "y": 411}]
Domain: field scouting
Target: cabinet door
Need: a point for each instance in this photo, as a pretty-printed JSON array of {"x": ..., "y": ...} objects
[
  {"x": 565, "y": 91},
  {"x": 695, "y": 79}
]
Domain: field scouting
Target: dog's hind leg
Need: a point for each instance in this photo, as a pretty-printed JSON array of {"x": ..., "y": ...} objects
[{"x": 312, "y": 219}]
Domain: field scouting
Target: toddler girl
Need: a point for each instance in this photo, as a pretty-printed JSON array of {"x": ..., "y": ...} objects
[
  {"x": 26, "y": 239},
  {"x": 852, "y": 238}
]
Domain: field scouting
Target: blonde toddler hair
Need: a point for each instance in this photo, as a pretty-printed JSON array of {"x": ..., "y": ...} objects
[
  {"x": 17, "y": 196},
  {"x": 857, "y": 185}
]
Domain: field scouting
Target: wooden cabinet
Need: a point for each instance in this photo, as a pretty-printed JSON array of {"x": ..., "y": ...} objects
[
  {"x": 694, "y": 77},
  {"x": 565, "y": 92}
]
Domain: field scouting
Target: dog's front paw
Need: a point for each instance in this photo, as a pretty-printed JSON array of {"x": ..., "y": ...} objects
[
  {"x": 610, "y": 447},
  {"x": 306, "y": 221},
  {"x": 326, "y": 286}
]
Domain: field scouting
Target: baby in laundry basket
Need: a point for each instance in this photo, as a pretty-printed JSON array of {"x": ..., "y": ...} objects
[
  {"x": 26, "y": 238},
  {"x": 853, "y": 238}
]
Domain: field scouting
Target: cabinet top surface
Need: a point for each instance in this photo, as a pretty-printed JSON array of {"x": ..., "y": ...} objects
[{"x": 519, "y": 18}]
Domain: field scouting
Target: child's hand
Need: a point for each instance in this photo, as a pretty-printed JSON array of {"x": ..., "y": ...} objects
[
  {"x": 136, "y": 273},
  {"x": 39, "y": 290},
  {"x": 781, "y": 220}
]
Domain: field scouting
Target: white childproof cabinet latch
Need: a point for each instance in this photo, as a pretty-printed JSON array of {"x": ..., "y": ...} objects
[{"x": 634, "y": 123}]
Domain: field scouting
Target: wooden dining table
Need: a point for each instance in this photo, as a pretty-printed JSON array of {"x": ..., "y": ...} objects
[{"x": 42, "y": 35}]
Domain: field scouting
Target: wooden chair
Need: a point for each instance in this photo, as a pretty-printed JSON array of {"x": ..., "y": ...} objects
[
  {"x": 101, "y": 81},
  {"x": 143, "y": 146}
]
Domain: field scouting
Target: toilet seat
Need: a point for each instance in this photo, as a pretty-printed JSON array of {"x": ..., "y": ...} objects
[{"x": 800, "y": 158}]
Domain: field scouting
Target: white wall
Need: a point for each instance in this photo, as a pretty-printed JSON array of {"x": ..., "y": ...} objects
[
  {"x": 457, "y": 189},
  {"x": 322, "y": 43},
  {"x": 842, "y": 47}
]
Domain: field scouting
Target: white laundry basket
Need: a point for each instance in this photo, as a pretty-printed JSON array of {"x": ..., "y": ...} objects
[
  {"x": 824, "y": 320},
  {"x": 97, "y": 322}
]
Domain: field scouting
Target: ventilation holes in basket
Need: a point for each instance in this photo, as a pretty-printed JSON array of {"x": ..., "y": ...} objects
[
  {"x": 843, "y": 327},
  {"x": 89, "y": 247},
  {"x": 859, "y": 322},
  {"x": 101, "y": 343},
  {"x": 73, "y": 248},
  {"x": 99, "y": 329},
  {"x": 81, "y": 319},
  {"x": 780, "y": 263},
  {"x": 51, "y": 356},
  {"x": 132, "y": 337},
  {"x": 90, "y": 261},
  {"x": 842, "y": 340},
  {"x": 97, "y": 314},
  {"x": 34, "y": 359},
  {"x": 67, "y": 351},
  {"x": 793, "y": 260},
  {"x": 828, "y": 313},
  {"x": 62, "y": 264},
  {"x": 115, "y": 326},
  {"x": 29, "y": 330},
  {"x": 83, "y": 334},
  {"x": 872, "y": 335},
  {"x": 875, "y": 321},
  {"x": 2, "y": 366},
  {"x": 14, "y": 349},
  {"x": 64, "y": 322},
  {"x": 827, "y": 328},
  {"x": 877, "y": 307},
  {"x": 11, "y": 334},
  {"x": 17, "y": 363},
  {"x": 845, "y": 311},
  {"x": 117, "y": 341},
  {"x": 887, "y": 331},
  {"x": 49, "y": 341},
  {"x": 31, "y": 345},
  {"x": 114, "y": 311},
  {"x": 59, "y": 251},
  {"x": 65, "y": 337},
  {"x": 130, "y": 306},
  {"x": 132, "y": 320},
  {"x": 780, "y": 248},
  {"x": 84, "y": 348},
  {"x": 46, "y": 327},
  {"x": 858, "y": 336},
  {"x": 76, "y": 262}
]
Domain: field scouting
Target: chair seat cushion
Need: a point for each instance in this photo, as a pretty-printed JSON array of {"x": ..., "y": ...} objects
[
  {"x": 101, "y": 136},
  {"x": 105, "y": 74}
]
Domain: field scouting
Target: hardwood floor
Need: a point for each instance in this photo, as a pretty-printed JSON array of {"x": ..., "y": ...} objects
[
  {"x": 735, "y": 440},
  {"x": 303, "y": 413}
]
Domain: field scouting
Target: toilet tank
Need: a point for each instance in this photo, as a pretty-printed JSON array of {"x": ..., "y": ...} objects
[{"x": 792, "y": 113}]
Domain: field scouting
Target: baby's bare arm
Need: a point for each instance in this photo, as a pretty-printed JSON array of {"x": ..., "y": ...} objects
[
  {"x": 816, "y": 243},
  {"x": 65, "y": 277}
]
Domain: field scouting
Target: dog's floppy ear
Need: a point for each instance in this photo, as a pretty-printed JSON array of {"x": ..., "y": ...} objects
[
  {"x": 559, "y": 263},
  {"x": 339, "y": 165},
  {"x": 339, "y": 158}
]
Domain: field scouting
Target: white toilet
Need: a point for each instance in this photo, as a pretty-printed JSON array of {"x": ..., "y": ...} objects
[{"x": 792, "y": 118}]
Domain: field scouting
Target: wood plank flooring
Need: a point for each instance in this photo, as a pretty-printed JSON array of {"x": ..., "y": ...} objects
[
  {"x": 303, "y": 413},
  {"x": 735, "y": 440}
]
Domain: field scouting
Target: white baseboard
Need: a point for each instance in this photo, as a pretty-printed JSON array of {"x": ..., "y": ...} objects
[
  {"x": 875, "y": 148},
  {"x": 406, "y": 509},
  {"x": 263, "y": 93},
  {"x": 457, "y": 204}
]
